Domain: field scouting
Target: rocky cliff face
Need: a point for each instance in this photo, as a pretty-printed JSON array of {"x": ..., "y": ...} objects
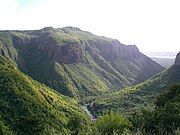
[
  {"x": 67, "y": 53},
  {"x": 113, "y": 49},
  {"x": 177, "y": 60}
]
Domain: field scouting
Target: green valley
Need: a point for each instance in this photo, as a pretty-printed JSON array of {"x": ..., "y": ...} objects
[{"x": 52, "y": 79}]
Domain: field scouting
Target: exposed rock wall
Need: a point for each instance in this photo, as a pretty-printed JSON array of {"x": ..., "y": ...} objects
[{"x": 177, "y": 60}]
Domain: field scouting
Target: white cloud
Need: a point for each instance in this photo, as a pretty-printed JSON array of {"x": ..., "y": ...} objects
[
  {"x": 8, "y": 9},
  {"x": 151, "y": 25}
]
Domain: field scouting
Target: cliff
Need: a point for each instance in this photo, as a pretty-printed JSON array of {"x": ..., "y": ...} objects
[{"x": 177, "y": 60}]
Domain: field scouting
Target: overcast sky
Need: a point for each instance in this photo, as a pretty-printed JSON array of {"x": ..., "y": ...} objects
[{"x": 152, "y": 25}]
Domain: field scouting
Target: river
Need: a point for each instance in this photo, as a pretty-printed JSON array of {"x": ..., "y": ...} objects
[{"x": 84, "y": 107}]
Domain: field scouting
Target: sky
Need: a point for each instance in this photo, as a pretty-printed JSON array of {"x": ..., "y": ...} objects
[{"x": 152, "y": 25}]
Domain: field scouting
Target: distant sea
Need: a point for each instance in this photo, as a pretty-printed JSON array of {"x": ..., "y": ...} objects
[
  {"x": 167, "y": 55},
  {"x": 166, "y": 59}
]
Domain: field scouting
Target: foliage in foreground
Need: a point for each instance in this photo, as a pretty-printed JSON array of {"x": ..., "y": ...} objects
[
  {"x": 165, "y": 118},
  {"x": 110, "y": 124}
]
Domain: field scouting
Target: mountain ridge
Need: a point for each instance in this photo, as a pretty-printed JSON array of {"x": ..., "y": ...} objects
[{"x": 60, "y": 57}]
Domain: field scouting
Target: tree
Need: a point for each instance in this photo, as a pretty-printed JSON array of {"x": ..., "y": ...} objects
[
  {"x": 4, "y": 129},
  {"x": 75, "y": 124},
  {"x": 164, "y": 118},
  {"x": 111, "y": 124}
]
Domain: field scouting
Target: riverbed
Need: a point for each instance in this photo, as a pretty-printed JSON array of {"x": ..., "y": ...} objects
[{"x": 85, "y": 108}]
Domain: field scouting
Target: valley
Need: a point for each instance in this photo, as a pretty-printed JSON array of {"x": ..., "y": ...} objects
[
  {"x": 132, "y": 98},
  {"x": 72, "y": 82}
]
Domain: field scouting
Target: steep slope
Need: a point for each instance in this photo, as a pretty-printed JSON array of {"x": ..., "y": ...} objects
[
  {"x": 28, "y": 107},
  {"x": 76, "y": 63},
  {"x": 143, "y": 94}
]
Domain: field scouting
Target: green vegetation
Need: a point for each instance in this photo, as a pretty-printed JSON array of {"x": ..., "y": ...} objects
[
  {"x": 111, "y": 124},
  {"x": 28, "y": 107},
  {"x": 6, "y": 46},
  {"x": 84, "y": 68},
  {"x": 164, "y": 118},
  {"x": 130, "y": 99},
  {"x": 4, "y": 129}
]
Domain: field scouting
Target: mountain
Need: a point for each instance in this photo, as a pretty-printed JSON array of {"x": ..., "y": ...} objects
[
  {"x": 28, "y": 107},
  {"x": 140, "y": 95},
  {"x": 177, "y": 60},
  {"x": 76, "y": 63}
]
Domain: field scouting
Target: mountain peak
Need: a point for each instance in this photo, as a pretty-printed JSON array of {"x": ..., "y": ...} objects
[
  {"x": 71, "y": 28},
  {"x": 47, "y": 28},
  {"x": 177, "y": 60}
]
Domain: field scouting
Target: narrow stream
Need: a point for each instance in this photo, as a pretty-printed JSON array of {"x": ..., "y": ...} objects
[{"x": 84, "y": 107}]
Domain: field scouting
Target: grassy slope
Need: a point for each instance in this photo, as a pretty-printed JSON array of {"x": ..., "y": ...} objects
[
  {"x": 28, "y": 107},
  {"x": 129, "y": 99}
]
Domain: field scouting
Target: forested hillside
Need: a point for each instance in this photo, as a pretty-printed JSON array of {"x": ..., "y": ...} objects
[{"x": 28, "y": 107}]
